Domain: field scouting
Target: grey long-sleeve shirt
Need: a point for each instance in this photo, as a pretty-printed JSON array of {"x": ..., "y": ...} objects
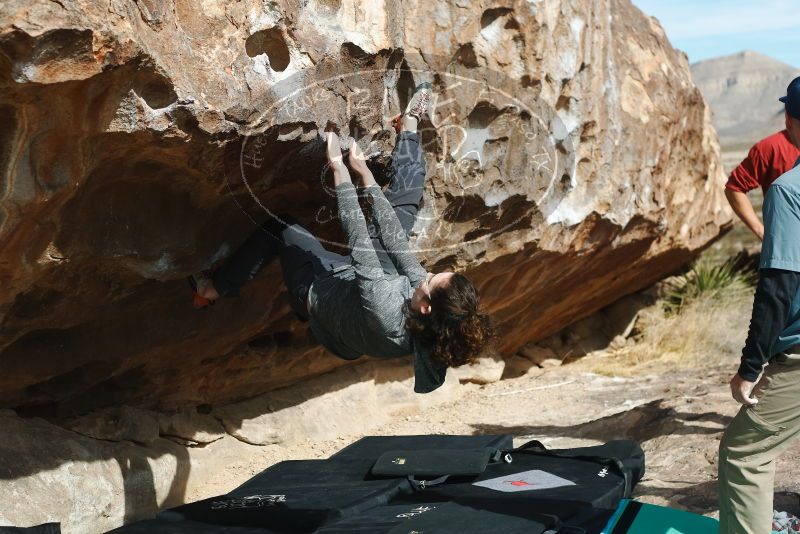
[{"x": 358, "y": 310}]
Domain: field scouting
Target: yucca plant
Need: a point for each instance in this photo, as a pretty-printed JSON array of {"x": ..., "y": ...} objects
[{"x": 709, "y": 280}]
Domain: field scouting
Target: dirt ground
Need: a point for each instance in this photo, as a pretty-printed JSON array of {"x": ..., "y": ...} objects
[{"x": 677, "y": 414}]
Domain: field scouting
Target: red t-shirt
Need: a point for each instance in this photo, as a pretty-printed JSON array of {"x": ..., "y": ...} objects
[{"x": 766, "y": 162}]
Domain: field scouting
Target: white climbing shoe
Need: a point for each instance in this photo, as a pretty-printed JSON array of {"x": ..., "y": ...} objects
[{"x": 420, "y": 102}]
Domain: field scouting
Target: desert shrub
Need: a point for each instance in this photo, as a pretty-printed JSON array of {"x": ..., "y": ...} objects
[
  {"x": 711, "y": 280},
  {"x": 701, "y": 319}
]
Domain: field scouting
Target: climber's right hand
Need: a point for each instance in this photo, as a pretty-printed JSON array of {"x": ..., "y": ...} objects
[{"x": 335, "y": 159}]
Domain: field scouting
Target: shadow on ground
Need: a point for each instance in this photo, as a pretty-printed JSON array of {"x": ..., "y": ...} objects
[{"x": 641, "y": 424}]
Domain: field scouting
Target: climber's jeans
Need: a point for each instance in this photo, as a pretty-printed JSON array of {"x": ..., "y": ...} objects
[
  {"x": 752, "y": 442},
  {"x": 303, "y": 258},
  {"x": 404, "y": 192}
]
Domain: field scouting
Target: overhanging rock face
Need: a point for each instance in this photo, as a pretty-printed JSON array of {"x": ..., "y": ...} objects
[{"x": 571, "y": 161}]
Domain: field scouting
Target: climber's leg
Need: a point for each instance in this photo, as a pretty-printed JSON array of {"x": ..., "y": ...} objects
[
  {"x": 303, "y": 260},
  {"x": 407, "y": 167},
  {"x": 407, "y": 178},
  {"x": 280, "y": 237},
  {"x": 258, "y": 250},
  {"x": 406, "y": 186}
]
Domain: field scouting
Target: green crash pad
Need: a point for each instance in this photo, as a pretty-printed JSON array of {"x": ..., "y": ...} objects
[{"x": 634, "y": 517}]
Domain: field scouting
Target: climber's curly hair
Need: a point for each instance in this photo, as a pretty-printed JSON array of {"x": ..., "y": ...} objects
[{"x": 455, "y": 331}]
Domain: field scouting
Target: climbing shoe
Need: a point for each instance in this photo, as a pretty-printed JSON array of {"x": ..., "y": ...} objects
[
  {"x": 420, "y": 102},
  {"x": 199, "y": 282}
]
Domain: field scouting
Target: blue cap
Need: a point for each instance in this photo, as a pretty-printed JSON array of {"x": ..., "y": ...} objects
[{"x": 792, "y": 98}]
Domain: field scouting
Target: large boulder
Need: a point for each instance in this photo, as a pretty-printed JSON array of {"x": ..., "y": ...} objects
[{"x": 571, "y": 161}]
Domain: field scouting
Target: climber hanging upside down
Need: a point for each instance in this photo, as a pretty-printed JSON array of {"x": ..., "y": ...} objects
[{"x": 377, "y": 301}]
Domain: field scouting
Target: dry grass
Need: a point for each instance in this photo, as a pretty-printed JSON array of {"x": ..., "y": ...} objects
[{"x": 709, "y": 328}]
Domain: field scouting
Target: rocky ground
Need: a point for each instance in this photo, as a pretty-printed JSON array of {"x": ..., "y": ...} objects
[{"x": 677, "y": 414}]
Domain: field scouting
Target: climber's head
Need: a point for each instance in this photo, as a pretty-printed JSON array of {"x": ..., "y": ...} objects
[
  {"x": 443, "y": 315},
  {"x": 421, "y": 300}
]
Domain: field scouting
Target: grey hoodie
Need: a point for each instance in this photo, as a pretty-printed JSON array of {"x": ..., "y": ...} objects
[{"x": 358, "y": 309}]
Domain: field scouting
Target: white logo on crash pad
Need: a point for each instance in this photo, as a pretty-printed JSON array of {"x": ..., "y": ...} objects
[
  {"x": 251, "y": 501},
  {"x": 525, "y": 481}
]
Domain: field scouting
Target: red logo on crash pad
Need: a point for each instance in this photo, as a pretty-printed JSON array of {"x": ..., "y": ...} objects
[
  {"x": 533, "y": 480},
  {"x": 518, "y": 483}
]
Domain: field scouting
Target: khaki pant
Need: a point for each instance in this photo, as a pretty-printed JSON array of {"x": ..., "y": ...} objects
[{"x": 750, "y": 445}]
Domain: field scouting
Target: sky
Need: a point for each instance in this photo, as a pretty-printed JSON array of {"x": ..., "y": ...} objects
[{"x": 711, "y": 28}]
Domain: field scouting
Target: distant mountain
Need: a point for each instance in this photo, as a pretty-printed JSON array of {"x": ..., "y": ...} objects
[{"x": 743, "y": 91}]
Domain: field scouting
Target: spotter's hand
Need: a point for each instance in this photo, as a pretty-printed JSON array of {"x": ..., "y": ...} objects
[{"x": 742, "y": 391}]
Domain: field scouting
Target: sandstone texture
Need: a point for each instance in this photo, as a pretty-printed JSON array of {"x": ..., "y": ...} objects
[{"x": 571, "y": 161}]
